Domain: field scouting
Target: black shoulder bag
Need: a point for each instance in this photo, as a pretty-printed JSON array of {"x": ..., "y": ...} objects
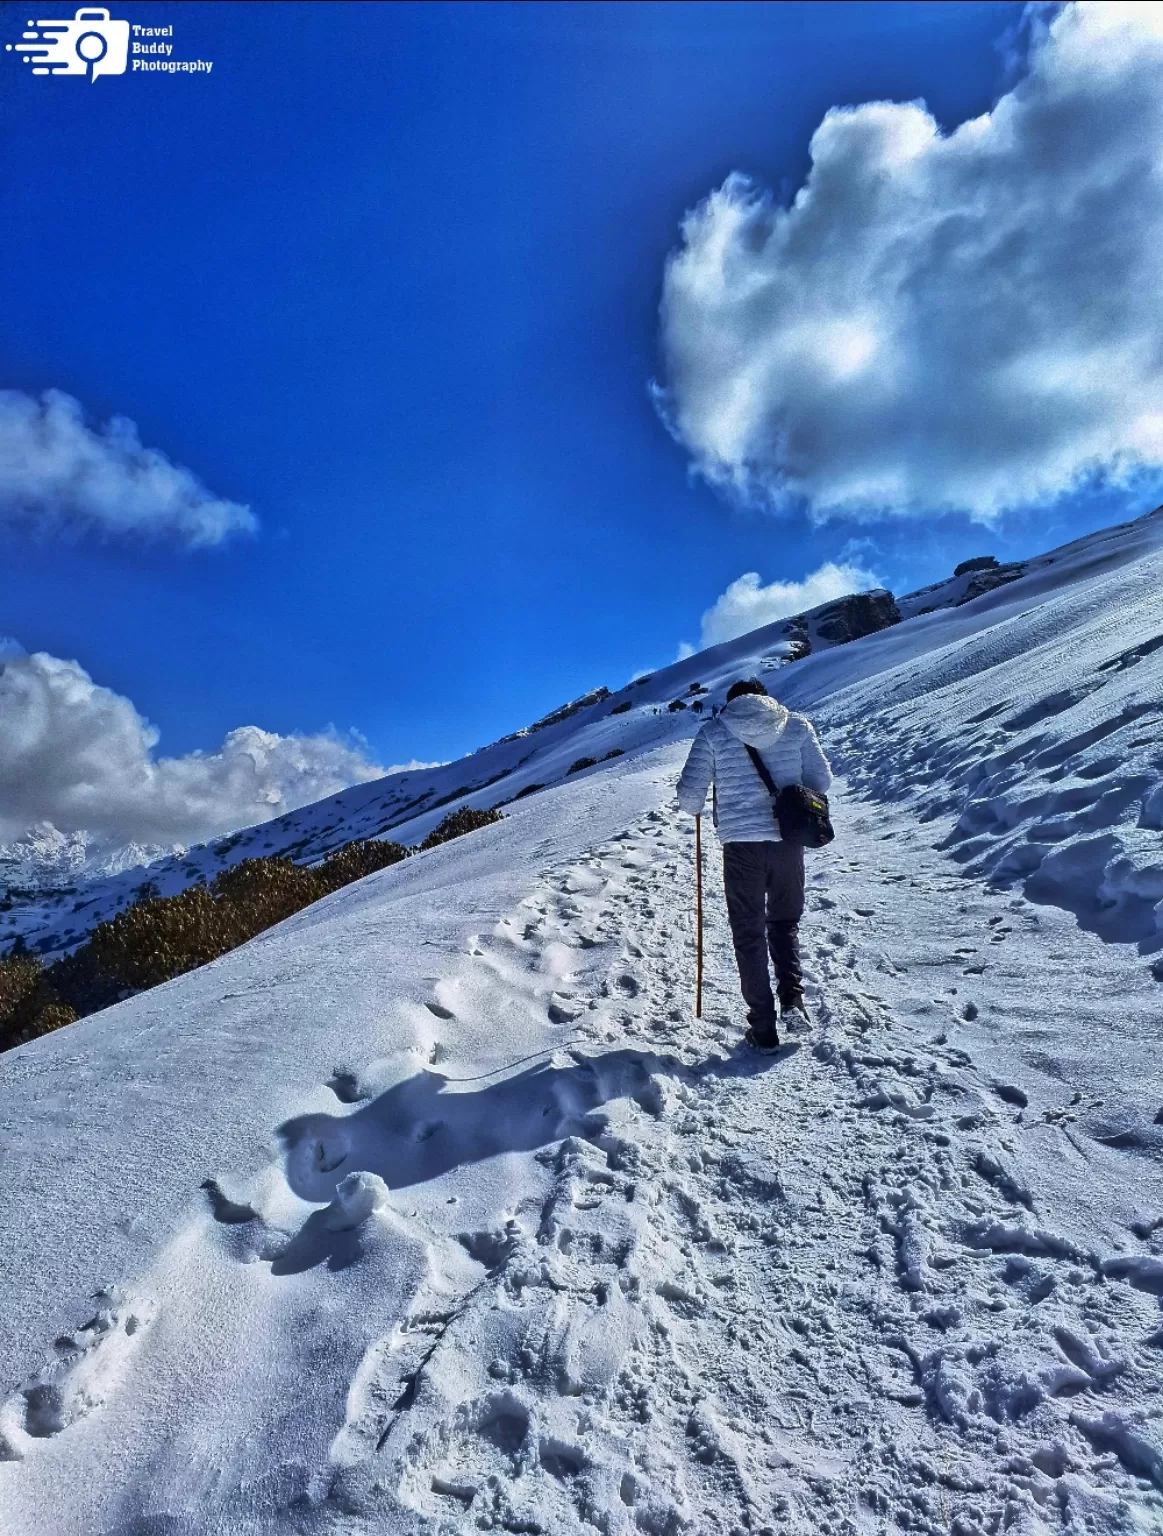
[{"x": 801, "y": 814}]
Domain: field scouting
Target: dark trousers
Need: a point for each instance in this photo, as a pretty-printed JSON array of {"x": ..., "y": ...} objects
[{"x": 764, "y": 885}]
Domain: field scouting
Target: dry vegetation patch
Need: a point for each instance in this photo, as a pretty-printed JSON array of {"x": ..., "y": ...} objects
[{"x": 160, "y": 937}]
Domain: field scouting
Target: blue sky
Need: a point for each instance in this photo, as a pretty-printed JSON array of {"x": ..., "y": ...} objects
[{"x": 390, "y": 276}]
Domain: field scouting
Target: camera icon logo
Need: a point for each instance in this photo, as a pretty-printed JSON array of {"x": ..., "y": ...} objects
[{"x": 89, "y": 45}]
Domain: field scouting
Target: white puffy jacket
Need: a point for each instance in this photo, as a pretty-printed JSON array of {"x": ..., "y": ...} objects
[{"x": 789, "y": 748}]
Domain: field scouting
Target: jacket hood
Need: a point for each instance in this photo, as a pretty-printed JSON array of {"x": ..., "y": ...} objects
[{"x": 754, "y": 719}]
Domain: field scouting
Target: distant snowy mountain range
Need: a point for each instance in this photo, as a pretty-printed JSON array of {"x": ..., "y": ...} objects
[
  {"x": 56, "y": 887},
  {"x": 46, "y": 859}
]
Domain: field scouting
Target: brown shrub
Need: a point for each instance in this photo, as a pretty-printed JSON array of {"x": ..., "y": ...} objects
[
  {"x": 162, "y": 937},
  {"x": 51, "y": 1016},
  {"x": 457, "y": 823},
  {"x": 355, "y": 860},
  {"x": 20, "y": 975},
  {"x": 28, "y": 1004},
  {"x": 258, "y": 893}
]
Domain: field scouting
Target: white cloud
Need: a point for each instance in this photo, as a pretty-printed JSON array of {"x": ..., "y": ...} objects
[
  {"x": 967, "y": 321},
  {"x": 56, "y": 473},
  {"x": 747, "y": 605},
  {"x": 80, "y": 758}
]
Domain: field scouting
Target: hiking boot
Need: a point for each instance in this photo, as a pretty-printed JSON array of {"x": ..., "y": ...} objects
[
  {"x": 765, "y": 1041},
  {"x": 793, "y": 1013}
]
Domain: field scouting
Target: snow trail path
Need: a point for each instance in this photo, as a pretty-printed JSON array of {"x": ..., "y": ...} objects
[
  {"x": 812, "y": 1294},
  {"x": 905, "y": 1275}
]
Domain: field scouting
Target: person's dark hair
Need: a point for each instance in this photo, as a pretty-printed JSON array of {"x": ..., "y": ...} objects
[{"x": 745, "y": 685}]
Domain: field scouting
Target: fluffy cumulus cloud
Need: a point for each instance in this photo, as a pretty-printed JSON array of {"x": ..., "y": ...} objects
[
  {"x": 58, "y": 473},
  {"x": 748, "y": 605},
  {"x": 79, "y": 758},
  {"x": 966, "y": 320}
]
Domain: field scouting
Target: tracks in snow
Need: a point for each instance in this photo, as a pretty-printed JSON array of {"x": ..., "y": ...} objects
[
  {"x": 808, "y": 1296},
  {"x": 711, "y": 1292}
]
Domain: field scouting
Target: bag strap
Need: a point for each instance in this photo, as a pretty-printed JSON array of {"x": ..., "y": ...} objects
[{"x": 761, "y": 769}]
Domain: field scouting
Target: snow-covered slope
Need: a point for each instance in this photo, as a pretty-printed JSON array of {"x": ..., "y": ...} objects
[
  {"x": 406, "y": 806},
  {"x": 1041, "y": 730},
  {"x": 434, "y": 1209}
]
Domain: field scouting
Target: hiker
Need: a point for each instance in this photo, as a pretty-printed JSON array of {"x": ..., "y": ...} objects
[{"x": 763, "y": 876}]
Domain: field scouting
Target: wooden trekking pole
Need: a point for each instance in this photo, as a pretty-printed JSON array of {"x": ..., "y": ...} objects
[{"x": 699, "y": 916}]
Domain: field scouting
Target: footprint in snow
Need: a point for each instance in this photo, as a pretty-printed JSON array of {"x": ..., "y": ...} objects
[
  {"x": 231, "y": 1213},
  {"x": 564, "y": 1010},
  {"x": 345, "y": 1086},
  {"x": 1012, "y": 1094},
  {"x": 88, "y": 1365}
]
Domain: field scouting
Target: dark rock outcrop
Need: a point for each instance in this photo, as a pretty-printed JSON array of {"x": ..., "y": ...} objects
[
  {"x": 985, "y": 579},
  {"x": 848, "y": 618},
  {"x": 556, "y": 716},
  {"x": 852, "y": 617}
]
